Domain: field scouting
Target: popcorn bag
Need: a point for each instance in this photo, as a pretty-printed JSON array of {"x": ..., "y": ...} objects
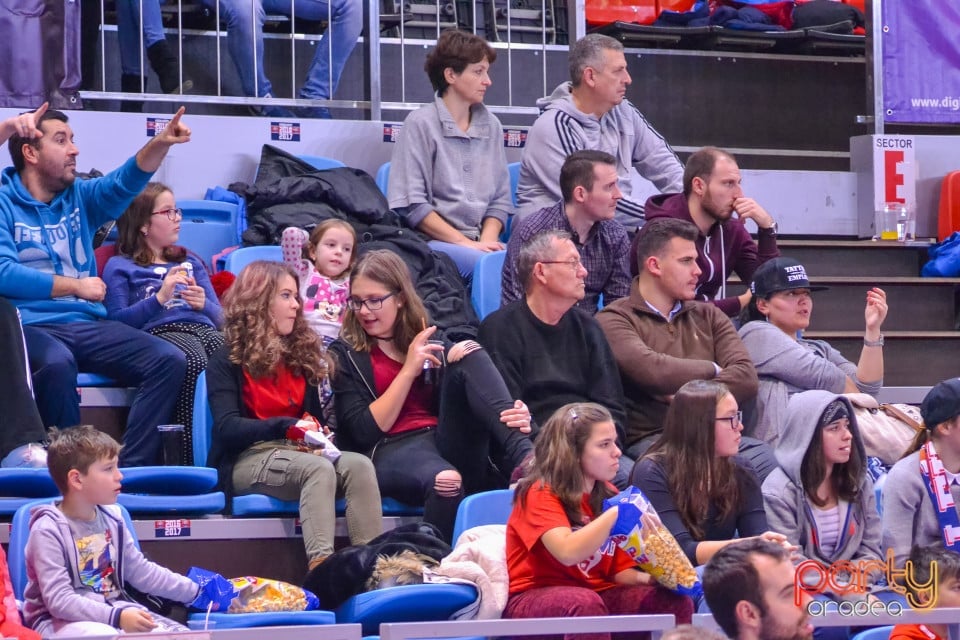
[
  {"x": 639, "y": 532},
  {"x": 257, "y": 595}
]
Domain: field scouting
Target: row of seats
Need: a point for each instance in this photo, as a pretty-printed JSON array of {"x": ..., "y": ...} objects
[{"x": 408, "y": 603}]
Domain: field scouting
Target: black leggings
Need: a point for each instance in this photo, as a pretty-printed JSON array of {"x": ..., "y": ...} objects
[
  {"x": 472, "y": 395},
  {"x": 20, "y": 421}
]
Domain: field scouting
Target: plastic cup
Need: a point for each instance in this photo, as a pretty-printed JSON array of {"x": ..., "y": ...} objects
[
  {"x": 888, "y": 221},
  {"x": 431, "y": 372},
  {"x": 171, "y": 440}
]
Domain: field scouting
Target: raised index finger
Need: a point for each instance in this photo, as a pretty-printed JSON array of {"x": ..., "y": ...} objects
[
  {"x": 175, "y": 120},
  {"x": 42, "y": 109}
]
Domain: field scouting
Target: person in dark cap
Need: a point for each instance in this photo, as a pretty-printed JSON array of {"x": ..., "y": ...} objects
[
  {"x": 921, "y": 492},
  {"x": 821, "y": 496},
  {"x": 773, "y": 325}
]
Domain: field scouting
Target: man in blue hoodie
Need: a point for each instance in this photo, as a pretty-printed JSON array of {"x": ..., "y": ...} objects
[{"x": 48, "y": 270}]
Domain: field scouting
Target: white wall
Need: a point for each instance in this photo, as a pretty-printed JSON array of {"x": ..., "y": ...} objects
[{"x": 227, "y": 149}]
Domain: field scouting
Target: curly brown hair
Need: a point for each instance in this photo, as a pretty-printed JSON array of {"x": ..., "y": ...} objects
[
  {"x": 131, "y": 242},
  {"x": 251, "y": 335}
]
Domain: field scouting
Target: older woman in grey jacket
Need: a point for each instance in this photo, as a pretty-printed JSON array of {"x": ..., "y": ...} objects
[
  {"x": 448, "y": 173},
  {"x": 787, "y": 363},
  {"x": 821, "y": 496}
]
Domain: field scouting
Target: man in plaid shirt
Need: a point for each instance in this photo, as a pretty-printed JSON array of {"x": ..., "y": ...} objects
[{"x": 588, "y": 183}]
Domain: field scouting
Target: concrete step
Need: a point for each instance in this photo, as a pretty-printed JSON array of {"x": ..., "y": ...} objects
[
  {"x": 856, "y": 257},
  {"x": 910, "y": 358},
  {"x": 915, "y": 304}
]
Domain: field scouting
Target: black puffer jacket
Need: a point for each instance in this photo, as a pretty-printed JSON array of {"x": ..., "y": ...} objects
[
  {"x": 345, "y": 573},
  {"x": 290, "y": 192}
]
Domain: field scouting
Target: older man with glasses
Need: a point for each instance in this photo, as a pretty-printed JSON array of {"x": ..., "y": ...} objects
[{"x": 549, "y": 352}]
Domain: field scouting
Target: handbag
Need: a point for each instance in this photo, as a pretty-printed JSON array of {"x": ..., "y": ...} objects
[{"x": 887, "y": 429}]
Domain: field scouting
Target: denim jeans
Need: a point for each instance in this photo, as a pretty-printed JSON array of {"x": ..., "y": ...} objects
[
  {"x": 128, "y": 33},
  {"x": 245, "y": 18},
  {"x": 154, "y": 366},
  {"x": 464, "y": 257},
  {"x": 26, "y": 456}
]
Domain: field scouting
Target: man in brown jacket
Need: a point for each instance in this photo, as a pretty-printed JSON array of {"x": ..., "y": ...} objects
[{"x": 662, "y": 339}]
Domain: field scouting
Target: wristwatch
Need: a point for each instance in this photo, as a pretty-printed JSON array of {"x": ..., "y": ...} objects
[
  {"x": 873, "y": 343},
  {"x": 772, "y": 230}
]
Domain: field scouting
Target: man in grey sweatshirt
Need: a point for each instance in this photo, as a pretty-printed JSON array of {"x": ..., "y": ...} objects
[{"x": 591, "y": 112}]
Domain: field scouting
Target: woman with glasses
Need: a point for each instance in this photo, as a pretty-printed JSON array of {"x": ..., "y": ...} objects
[
  {"x": 156, "y": 286},
  {"x": 773, "y": 324},
  {"x": 705, "y": 494},
  {"x": 448, "y": 173},
  {"x": 265, "y": 380},
  {"x": 821, "y": 496},
  {"x": 427, "y": 412}
]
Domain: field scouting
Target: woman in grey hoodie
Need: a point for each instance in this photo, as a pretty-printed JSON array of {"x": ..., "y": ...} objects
[
  {"x": 773, "y": 322},
  {"x": 821, "y": 496}
]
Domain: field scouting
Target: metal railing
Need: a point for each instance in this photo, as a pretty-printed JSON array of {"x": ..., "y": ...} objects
[{"x": 412, "y": 23}]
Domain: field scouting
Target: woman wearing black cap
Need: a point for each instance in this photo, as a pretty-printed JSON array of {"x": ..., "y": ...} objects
[
  {"x": 786, "y": 363},
  {"x": 921, "y": 492}
]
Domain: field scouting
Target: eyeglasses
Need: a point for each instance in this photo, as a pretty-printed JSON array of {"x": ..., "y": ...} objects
[
  {"x": 172, "y": 214},
  {"x": 735, "y": 420},
  {"x": 373, "y": 304},
  {"x": 573, "y": 263}
]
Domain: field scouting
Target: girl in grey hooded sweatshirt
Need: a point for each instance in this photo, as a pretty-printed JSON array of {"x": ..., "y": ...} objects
[{"x": 821, "y": 496}]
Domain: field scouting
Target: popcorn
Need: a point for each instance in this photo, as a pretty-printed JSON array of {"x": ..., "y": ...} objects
[{"x": 650, "y": 544}]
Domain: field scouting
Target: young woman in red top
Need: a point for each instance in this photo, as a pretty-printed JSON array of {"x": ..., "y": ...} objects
[
  {"x": 267, "y": 376},
  {"x": 429, "y": 438},
  {"x": 559, "y": 556}
]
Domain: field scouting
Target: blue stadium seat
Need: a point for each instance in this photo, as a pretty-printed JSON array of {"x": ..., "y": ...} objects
[
  {"x": 197, "y": 622},
  {"x": 320, "y": 162},
  {"x": 96, "y": 380},
  {"x": 485, "y": 294},
  {"x": 407, "y": 603},
  {"x": 877, "y": 633},
  {"x": 259, "y": 504},
  {"x": 514, "y": 170},
  {"x": 489, "y": 507},
  {"x": 208, "y": 227},
  {"x": 20, "y": 486},
  {"x": 239, "y": 258},
  {"x": 176, "y": 491},
  {"x": 383, "y": 177}
]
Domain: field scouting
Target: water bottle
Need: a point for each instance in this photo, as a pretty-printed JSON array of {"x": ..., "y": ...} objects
[{"x": 177, "y": 301}]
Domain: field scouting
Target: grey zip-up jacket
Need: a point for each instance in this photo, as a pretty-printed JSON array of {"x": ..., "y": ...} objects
[
  {"x": 622, "y": 132},
  {"x": 788, "y": 510},
  {"x": 54, "y": 591},
  {"x": 786, "y": 366}
]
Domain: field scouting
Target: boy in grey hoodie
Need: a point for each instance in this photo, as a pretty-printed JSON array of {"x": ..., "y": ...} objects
[
  {"x": 591, "y": 112},
  {"x": 847, "y": 525},
  {"x": 80, "y": 557}
]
